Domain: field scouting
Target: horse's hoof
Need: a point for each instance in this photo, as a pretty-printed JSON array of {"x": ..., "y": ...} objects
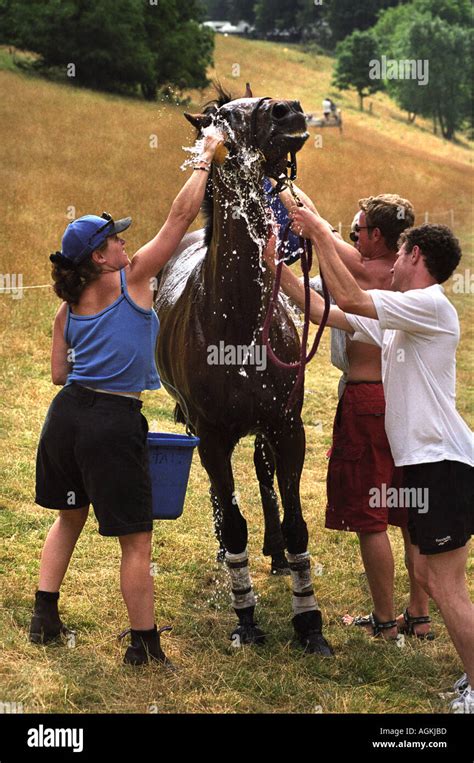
[
  {"x": 247, "y": 634},
  {"x": 315, "y": 643},
  {"x": 280, "y": 565}
]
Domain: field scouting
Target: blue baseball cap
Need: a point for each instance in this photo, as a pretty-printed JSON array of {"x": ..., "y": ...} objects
[{"x": 87, "y": 233}]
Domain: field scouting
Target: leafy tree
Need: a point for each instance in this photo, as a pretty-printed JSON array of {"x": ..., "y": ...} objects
[
  {"x": 217, "y": 10},
  {"x": 182, "y": 50},
  {"x": 447, "y": 48},
  {"x": 242, "y": 10},
  {"x": 275, "y": 14},
  {"x": 345, "y": 16},
  {"x": 301, "y": 15},
  {"x": 114, "y": 44},
  {"x": 230, "y": 10},
  {"x": 353, "y": 65},
  {"x": 452, "y": 11},
  {"x": 411, "y": 32}
]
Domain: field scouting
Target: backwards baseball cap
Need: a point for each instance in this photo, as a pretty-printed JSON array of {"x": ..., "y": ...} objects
[{"x": 87, "y": 233}]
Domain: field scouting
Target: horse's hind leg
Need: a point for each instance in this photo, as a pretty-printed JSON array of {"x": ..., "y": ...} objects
[
  {"x": 215, "y": 454},
  {"x": 273, "y": 542},
  {"x": 288, "y": 444}
]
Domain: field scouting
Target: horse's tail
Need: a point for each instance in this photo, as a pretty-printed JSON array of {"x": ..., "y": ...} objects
[{"x": 179, "y": 417}]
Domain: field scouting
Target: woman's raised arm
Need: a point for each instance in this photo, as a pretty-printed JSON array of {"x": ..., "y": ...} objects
[{"x": 153, "y": 256}]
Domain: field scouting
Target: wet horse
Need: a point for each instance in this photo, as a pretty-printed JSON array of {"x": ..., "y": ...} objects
[{"x": 212, "y": 299}]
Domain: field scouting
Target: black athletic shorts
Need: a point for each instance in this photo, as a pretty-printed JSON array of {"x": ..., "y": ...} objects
[
  {"x": 93, "y": 449},
  {"x": 444, "y": 519}
]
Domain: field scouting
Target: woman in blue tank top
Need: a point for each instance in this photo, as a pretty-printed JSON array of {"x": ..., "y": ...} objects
[{"x": 92, "y": 448}]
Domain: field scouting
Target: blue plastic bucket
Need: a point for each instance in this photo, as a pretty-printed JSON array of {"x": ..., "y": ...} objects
[{"x": 170, "y": 457}]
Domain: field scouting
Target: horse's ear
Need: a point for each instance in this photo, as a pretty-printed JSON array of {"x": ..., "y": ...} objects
[
  {"x": 248, "y": 91},
  {"x": 198, "y": 120}
]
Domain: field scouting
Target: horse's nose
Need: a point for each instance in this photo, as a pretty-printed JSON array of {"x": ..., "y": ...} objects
[
  {"x": 297, "y": 106},
  {"x": 281, "y": 110}
]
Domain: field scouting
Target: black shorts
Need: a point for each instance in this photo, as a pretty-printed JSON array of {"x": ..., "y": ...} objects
[
  {"x": 93, "y": 449},
  {"x": 446, "y": 520}
]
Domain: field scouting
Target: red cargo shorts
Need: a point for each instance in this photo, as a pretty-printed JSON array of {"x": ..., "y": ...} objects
[{"x": 361, "y": 464}]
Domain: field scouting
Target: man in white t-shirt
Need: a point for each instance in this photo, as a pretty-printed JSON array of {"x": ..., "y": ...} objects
[{"x": 417, "y": 329}]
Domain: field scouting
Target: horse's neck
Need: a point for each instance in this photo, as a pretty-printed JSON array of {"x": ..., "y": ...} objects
[{"x": 233, "y": 273}]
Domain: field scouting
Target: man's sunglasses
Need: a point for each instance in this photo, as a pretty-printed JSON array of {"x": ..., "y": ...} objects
[{"x": 354, "y": 234}]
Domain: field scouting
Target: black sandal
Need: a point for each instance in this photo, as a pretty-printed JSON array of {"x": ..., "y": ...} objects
[
  {"x": 409, "y": 622},
  {"x": 377, "y": 626}
]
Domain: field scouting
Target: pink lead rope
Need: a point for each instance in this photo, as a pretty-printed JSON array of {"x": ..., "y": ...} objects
[{"x": 306, "y": 263}]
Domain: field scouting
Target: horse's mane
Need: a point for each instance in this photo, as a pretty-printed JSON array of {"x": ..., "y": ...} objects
[{"x": 222, "y": 97}]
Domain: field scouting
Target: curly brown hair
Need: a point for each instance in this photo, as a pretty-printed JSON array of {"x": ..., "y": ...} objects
[
  {"x": 390, "y": 213},
  {"x": 69, "y": 281},
  {"x": 439, "y": 246}
]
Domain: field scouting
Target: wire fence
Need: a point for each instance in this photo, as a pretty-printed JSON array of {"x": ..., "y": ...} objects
[{"x": 7, "y": 287}]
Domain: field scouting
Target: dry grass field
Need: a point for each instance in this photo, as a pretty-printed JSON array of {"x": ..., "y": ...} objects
[{"x": 66, "y": 149}]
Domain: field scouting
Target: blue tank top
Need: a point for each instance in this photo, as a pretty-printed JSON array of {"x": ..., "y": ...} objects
[{"x": 115, "y": 348}]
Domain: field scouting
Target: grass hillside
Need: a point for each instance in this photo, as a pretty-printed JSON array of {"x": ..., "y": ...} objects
[{"x": 69, "y": 151}]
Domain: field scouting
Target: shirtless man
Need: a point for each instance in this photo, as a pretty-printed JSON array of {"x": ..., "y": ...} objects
[{"x": 361, "y": 459}]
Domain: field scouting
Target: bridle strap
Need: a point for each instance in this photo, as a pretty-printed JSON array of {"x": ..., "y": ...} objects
[
  {"x": 306, "y": 263},
  {"x": 253, "y": 121},
  {"x": 282, "y": 181}
]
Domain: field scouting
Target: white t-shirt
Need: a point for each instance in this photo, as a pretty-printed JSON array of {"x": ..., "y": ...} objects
[{"x": 418, "y": 331}]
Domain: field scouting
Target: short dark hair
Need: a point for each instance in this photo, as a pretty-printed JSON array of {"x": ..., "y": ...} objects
[
  {"x": 439, "y": 246},
  {"x": 390, "y": 213}
]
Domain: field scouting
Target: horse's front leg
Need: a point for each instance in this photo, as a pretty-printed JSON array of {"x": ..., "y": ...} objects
[
  {"x": 217, "y": 519},
  {"x": 273, "y": 542},
  {"x": 288, "y": 443},
  {"x": 215, "y": 454}
]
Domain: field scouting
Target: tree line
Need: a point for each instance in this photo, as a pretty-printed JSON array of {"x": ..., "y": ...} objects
[
  {"x": 325, "y": 21},
  {"x": 161, "y": 46}
]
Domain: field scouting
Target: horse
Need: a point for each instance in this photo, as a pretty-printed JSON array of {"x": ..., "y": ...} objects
[{"x": 211, "y": 300}]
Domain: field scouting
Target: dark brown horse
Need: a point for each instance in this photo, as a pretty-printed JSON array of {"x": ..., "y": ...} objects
[{"x": 211, "y": 302}]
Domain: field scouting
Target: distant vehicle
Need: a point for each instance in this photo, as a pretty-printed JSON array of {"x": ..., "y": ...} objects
[
  {"x": 284, "y": 35},
  {"x": 215, "y": 25},
  {"x": 331, "y": 117},
  {"x": 225, "y": 27}
]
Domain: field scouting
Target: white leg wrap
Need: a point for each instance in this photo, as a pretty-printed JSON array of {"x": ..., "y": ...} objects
[
  {"x": 304, "y": 599},
  {"x": 242, "y": 592}
]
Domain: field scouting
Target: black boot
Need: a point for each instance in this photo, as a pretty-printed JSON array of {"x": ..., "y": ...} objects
[
  {"x": 145, "y": 647},
  {"x": 45, "y": 624}
]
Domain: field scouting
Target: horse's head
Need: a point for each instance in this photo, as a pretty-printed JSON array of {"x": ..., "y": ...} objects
[{"x": 274, "y": 127}]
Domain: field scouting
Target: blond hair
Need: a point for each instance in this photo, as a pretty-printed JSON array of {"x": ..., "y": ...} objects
[{"x": 390, "y": 213}]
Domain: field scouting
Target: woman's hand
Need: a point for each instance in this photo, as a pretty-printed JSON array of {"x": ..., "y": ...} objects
[{"x": 211, "y": 143}]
